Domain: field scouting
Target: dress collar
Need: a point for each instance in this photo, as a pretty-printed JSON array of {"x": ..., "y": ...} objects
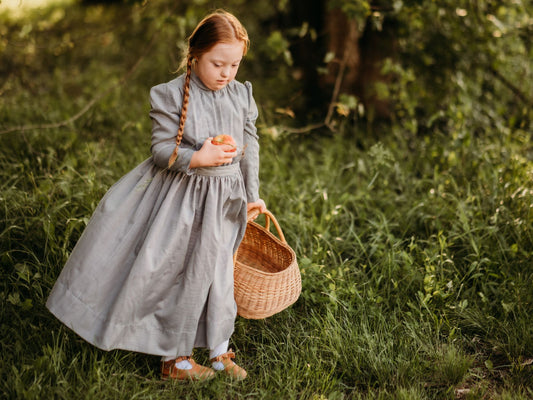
[{"x": 198, "y": 81}]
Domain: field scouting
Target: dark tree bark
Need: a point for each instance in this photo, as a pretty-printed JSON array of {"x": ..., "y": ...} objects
[
  {"x": 375, "y": 47},
  {"x": 306, "y": 51},
  {"x": 361, "y": 54}
]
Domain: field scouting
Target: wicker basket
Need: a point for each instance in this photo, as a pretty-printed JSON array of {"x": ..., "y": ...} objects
[{"x": 267, "y": 277}]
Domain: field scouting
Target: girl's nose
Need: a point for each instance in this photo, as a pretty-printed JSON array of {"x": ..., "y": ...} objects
[{"x": 224, "y": 72}]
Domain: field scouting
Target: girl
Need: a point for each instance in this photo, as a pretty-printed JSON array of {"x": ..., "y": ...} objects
[{"x": 153, "y": 270}]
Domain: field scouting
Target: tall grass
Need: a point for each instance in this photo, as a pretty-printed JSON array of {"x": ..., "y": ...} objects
[{"x": 414, "y": 250}]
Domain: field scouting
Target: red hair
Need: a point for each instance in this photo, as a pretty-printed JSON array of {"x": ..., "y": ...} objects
[{"x": 218, "y": 27}]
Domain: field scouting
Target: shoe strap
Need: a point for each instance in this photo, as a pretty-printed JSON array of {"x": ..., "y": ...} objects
[{"x": 230, "y": 354}]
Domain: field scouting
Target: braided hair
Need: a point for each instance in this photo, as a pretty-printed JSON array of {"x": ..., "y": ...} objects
[
  {"x": 183, "y": 116},
  {"x": 218, "y": 27}
]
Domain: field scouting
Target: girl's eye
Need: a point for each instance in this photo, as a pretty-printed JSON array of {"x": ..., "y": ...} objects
[{"x": 218, "y": 65}]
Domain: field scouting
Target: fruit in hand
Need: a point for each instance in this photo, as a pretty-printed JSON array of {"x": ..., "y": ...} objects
[{"x": 224, "y": 139}]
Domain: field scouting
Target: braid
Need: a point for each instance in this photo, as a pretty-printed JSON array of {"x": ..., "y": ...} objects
[{"x": 184, "y": 106}]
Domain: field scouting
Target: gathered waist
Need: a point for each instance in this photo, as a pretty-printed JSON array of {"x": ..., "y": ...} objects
[{"x": 223, "y": 170}]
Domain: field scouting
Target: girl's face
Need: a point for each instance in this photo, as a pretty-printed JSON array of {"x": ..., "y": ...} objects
[{"x": 218, "y": 67}]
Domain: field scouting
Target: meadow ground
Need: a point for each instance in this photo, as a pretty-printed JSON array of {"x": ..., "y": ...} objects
[{"x": 415, "y": 250}]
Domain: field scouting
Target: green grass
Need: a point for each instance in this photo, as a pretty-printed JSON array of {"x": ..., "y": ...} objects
[{"x": 414, "y": 249}]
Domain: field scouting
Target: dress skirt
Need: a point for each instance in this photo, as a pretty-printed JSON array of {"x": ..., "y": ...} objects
[{"x": 153, "y": 270}]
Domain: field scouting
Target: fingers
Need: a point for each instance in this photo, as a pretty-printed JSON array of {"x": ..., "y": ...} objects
[
  {"x": 216, "y": 155},
  {"x": 225, "y": 154},
  {"x": 260, "y": 204}
]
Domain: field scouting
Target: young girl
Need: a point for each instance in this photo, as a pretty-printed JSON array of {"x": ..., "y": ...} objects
[{"x": 153, "y": 270}]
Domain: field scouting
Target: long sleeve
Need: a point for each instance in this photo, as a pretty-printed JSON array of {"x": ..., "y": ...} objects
[
  {"x": 250, "y": 162},
  {"x": 165, "y": 113}
]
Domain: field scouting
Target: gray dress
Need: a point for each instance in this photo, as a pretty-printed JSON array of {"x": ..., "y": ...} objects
[{"x": 152, "y": 271}]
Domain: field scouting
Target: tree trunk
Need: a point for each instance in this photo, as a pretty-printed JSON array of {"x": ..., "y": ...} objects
[
  {"x": 376, "y": 46},
  {"x": 360, "y": 52},
  {"x": 343, "y": 35}
]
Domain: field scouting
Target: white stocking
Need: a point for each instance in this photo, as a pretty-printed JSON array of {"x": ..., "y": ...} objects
[
  {"x": 218, "y": 351},
  {"x": 184, "y": 364}
]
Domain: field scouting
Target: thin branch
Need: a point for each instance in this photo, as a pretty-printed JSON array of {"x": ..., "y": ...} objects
[
  {"x": 304, "y": 129},
  {"x": 337, "y": 87},
  {"x": 517, "y": 92},
  {"x": 334, "y": 96},
  {"x": 64, "y": 122}
]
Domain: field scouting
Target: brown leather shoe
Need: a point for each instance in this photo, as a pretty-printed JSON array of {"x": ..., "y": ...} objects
[
  {"x": 230, "y": 368},
  {"x": 196, "y": 373}
]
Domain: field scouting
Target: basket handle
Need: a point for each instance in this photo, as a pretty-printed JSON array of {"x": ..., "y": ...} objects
[{"x": 254, "y": 212}]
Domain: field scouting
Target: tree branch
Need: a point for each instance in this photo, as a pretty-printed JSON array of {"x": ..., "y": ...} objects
[
  {"x": 334, "y": 96},
  {"x": 517, "y": 92},
  {"x": 336, "y": 88},
  {"x": 304, "y": 129}
]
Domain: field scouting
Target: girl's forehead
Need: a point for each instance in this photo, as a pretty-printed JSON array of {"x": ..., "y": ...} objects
[{"x": 227, "y": 50}]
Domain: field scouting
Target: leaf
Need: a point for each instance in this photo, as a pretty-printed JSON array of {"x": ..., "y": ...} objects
[
  {"x": 329, "y": 57},
  {"x": 342, "y": 109},
  {"x": 285, "y": 111}
]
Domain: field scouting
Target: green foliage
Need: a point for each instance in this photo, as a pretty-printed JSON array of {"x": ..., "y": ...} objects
[
  {"x": 471, "y": 52},
  {"x": 414, "y": 238},
  {"x": 278, "y": 45},
  {"x": 436, "y": 54},
  {"x": 358, "y": 10}
]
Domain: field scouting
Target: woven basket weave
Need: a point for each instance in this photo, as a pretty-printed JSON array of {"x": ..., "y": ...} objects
[{"x": 267, "y": 277}]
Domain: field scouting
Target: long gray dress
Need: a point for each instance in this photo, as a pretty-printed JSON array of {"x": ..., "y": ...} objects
[{"x": 153, "y": 272}]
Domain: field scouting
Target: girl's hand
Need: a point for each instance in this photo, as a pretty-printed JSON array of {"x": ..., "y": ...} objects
[
  {"x": 212, "y": 155},
  {"x": 257, "y": 204}
]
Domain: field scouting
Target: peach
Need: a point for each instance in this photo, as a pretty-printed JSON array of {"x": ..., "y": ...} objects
[{"x": 224, "y": 139}]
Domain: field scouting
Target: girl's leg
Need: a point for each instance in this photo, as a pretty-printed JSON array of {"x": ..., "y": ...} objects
[{"x": 218, "y": 351}]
